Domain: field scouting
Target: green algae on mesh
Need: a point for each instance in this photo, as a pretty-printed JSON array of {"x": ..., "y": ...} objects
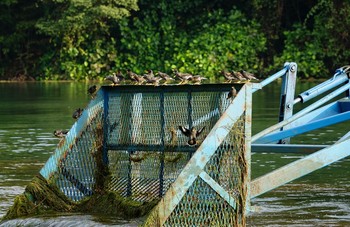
[
  {"x": 114, "y": 204},
  {"x": 39, "y": 197}
]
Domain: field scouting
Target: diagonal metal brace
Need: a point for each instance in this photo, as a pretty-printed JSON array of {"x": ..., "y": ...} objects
[{"x": 299, "y": 168}]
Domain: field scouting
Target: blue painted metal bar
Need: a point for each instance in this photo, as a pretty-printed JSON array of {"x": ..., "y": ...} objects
[
  {"x": 305, "y": 128},
  {"x": 300, "y": 168},
  {"x": 200, "y": 158},
  {"x": 302, "y": 112},
  {"x": 287, "y": 97},
  {"x": 287, "y": 148},
  {"x": 247, "y": 141},
  {"x": 336, "y": 80},
  {"x": 220, "y": 190},
  {"x": 105, "y": 126},
  {"x": 273, "y": 77}
]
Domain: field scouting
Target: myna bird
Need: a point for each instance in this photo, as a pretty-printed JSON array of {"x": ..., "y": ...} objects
[
  {"x": 165, "y": 76},
  {"x": 77, "y": 113},
  {"x": 232, "y": 93},
  {"x": 197, "y": 79},
  {"x": 115, "y": 78},
  {"x": 92, "y": 89},
  {"x": 228, "y": 76},
  {"x": 60, "y": 133},
  {"x": 247, "y": 75},
  {"x": 150, "y": 78},
  {"x": 238, "y": 75},
  {"x": 135, "y": 77},
  {"x": 183, "y": 77},
  {"x": 192, "y": 134}
]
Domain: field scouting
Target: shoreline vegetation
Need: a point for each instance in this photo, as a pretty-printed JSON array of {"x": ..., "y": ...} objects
[{"x": 85, "y": 40}]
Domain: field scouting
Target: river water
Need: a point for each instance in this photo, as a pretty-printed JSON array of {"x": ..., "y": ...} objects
[{"x": 30, "y": 112}]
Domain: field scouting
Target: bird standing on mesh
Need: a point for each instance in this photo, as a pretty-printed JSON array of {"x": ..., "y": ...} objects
[
  {"x": 77, "y": 113},
  {"x": 165, "y": 76},
  {"x": 60, "y": 133},
  {"x": 239, "y": 75},
  {"x": 228, "y": 76},
  {"x": 91, "y": 90},
  {"x": 135, "y": 77},
  {"x": 192, "y": 134},
  {"x": 183, "y": 77},
  {"x": 115, "y": 78},
  {"x": 197, "y": 79},
  {"x": 232, "y": 94},
  {"x": 248, "y": 75}
]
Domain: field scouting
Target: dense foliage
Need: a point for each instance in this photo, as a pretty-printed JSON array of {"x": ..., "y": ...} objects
[{"x": 87, "y": 39}]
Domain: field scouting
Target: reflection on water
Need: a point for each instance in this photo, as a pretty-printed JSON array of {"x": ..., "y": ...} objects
[{"x": 30, "y": 112}]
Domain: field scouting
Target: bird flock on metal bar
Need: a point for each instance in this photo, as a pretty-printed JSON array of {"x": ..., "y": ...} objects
[
  {"x": 151, "y": 78},
  {"x": 155, "y": 78}
]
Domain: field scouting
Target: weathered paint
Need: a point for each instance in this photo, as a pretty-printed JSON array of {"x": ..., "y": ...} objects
[
  {"x": 200, "y": 158},
  {"x": 287, "y": 97},
  {"x": 300, "y": 168}
]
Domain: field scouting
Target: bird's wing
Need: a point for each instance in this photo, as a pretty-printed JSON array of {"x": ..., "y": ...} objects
[
  {"x": 185, "y": 131},
  {"x": 200, "y": 131}
]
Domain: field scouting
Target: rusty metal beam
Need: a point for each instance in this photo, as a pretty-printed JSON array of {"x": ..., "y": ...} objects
[
  {"x": 203, "y": 154},
  {"x": 300, "y": 168}
]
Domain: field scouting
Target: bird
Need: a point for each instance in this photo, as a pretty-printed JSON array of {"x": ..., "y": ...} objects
[
  {"x": 60, "y": 133},
  {"x": 248, "y": 75},
  {"x": 151, "y": 79},
  {"x": 192, "y": 134},
  {"x": 135, "y": 77},
  {"x": 77, "y": 113},
  {"x": 165, "y": 76},
  {"x": 238, "y": 75},
  {"x": 115, "y": 78},
  {"x": 228, "y": 76},
  {"x": 183, "y": 77},
  {"x": 232, "y": 94},
  {"x": 197, "y": 79},
  {"x": 92, "y": 89}
]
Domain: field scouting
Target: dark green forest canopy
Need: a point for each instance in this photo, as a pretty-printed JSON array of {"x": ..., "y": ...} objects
[{"x": 88, "y": 39}]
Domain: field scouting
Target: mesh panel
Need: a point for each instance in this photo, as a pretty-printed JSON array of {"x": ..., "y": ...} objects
[
  {"x": 201, "y": 205},
  {"x": 146, "y": 142},
  {"x": 73, "y": 166}
]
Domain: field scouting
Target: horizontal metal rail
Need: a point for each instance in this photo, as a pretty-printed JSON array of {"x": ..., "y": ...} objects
[{"x": 299, "y": 168}]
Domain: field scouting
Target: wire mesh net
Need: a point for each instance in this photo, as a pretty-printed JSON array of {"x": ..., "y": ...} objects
[{"x": 128, "y": 141}]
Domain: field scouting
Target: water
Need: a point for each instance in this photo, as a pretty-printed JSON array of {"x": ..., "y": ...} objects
[{"x": 30, "y": 112}]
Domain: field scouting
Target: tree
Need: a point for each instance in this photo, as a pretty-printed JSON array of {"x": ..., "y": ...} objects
[{"x": 80, "y": 31}]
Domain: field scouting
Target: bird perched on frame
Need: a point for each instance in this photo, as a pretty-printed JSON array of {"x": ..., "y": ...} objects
[
  {"x": 228, "y": 76},
  {"x": 232, "y": 94},
  {"x": 192, "y": 134},
  {"x": 91, "y": 90},
  {"x": 77, "y": 113},
  {"x": 151, "y": 79},
  {"x": 135, "y": 77},
  {"x": 238, "y": 75},
  {"x": 165, "y": 76},
  {"x": 197, "y": 79},
  {"x": 60, "y": 133},
  {"x": 116, "y": 78},
  {"x": 183, "y": 77},
  {"x": 247, "y": 75}
]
